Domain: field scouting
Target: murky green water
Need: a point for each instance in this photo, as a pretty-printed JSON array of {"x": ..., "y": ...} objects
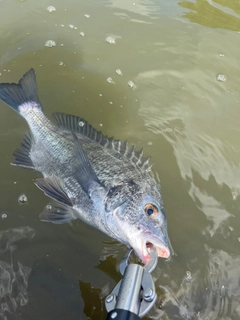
[{"x": 182, "y": 107}]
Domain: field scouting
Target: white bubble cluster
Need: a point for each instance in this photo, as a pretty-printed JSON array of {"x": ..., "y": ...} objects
[
  {"x": 221, "y": 77},
  {"x": 51, "y": 9},
  {"x": 111, "y": 40},
  {"x": 131, "y": 84},
  {"x": 110, "y": 80},
  {"x": 234, "y": 196},
  {"x": 50, "y": 43},
  {"x": 4, "y": 216},
  {"x": 81, "y": 123},
  {"x": 119, "y": 72},
  {"x": 188, "y": 276},
  {"x": 71, "y": 26},
  {"x": 22, "y": 198}
]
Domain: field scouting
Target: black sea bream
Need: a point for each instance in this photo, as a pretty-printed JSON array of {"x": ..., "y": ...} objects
[{"x": 92, "y": 177}]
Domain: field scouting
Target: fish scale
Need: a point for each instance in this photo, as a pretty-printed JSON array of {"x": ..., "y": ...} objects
[{"x": 90, "y": 177}]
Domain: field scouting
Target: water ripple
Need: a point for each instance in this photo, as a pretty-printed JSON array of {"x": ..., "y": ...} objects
[{"x": 13, "y": 275}]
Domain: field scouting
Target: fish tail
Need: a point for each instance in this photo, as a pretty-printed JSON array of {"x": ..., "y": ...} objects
[{"x": 23, "y": 95}]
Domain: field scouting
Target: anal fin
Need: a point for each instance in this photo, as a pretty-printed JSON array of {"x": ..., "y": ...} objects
[
  {"x": 53, "y": 188},
  {"x": 58, "y": 214}
]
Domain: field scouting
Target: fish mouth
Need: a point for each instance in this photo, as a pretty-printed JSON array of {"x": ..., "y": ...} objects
[
  {"x": 162, "y": 251},
  {"x": 146, "y": 245}
]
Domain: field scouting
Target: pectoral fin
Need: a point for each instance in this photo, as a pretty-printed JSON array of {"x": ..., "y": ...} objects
[
  {"x": 53, "y": 188},
  {"x": 83, "y": 170},
  {"x": 58, "y": 214}
]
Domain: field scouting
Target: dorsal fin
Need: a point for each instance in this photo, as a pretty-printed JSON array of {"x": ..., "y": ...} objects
[{"x": 79, "y": 125}]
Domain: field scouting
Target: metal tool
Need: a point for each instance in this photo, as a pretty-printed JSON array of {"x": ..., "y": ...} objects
[{"x": 135, "y": 294}]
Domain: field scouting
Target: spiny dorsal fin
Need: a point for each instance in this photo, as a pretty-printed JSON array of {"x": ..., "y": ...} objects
[{"x": 79, "y": 125}]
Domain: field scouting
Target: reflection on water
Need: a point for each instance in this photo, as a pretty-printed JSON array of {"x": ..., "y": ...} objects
[
  {"x": 187, "y": 125},
  {"x": 215, "y": 296},
  {"x": 221, "y": 14},
  {"x": 212, "y": 209},
  {"x": 13, "y": 274}
]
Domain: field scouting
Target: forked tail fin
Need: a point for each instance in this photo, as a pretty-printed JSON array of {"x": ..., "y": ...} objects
[{"x": 24, "y": 92}]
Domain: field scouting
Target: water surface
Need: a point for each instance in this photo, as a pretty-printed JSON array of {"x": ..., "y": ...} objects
[{"x": 177, "y": 97}]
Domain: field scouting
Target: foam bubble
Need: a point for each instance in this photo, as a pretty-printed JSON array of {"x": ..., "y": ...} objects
[
  {"x": 110, "y": 80},
  {"x": 22, "y": 198},
  {"x": 51, "y": 9},
  {"x": 131, "y": 84},
  {"x": 111, "y": 40},
  {"x": 4, "y": 215},
  {"x": 50, "y": 43},
  {"x": 81, "y": 123},
  {"x": 119, "y": 72},
  {"x": 221, "y": 77}
]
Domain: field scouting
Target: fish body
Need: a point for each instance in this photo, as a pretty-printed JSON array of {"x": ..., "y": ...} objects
[{"x": 92, "y": 177}]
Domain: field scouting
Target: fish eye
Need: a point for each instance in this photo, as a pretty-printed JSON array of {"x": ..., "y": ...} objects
[{"x": 151, "y": 210}]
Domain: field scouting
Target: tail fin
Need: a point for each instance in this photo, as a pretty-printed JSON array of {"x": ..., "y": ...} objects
[{"x": 25, "y": 91}]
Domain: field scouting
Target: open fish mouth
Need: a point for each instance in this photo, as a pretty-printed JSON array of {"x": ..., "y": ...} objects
[
  {"x": 162, "y": 251},
  {"x": 144, "y": 247}
]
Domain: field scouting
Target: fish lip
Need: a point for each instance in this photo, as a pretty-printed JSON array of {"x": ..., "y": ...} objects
[
  {"x": 162, "y": 249},
  {"x": 145, "y": 242},
  {"x": 151, "y": 241}
]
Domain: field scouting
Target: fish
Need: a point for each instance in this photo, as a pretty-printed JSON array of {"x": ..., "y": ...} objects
[{"x": 102, "y": 181}]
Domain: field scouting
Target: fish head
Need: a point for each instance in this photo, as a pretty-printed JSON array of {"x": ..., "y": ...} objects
[{"x": 138, "y": 219}]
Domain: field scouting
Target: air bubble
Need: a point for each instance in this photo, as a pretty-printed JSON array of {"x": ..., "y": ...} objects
[
  {"x": 81, "y": 123},
  {"x": 82, "y": 34},
  {"x": 61, "y": 63},
  {"x": 119, "y": 72},
  {"x": 188, "y": 276},
  {"x": 110, "y": 80},
  {"x": 50, "y": 43},
  {"x": 221, "y": 77},
  {"x": 111, "y": 40},
  {"x": 87, "y": 16},
  {"x": 51, "y": 9},
  {"x": 131, "y": 84},
  {"x": 71, "y": 26},
  {"x": 4, "y": 216},
  {"x": 22, "y": 198},
  {"x": 234, "y": 196},
  {"x": 100, "y": 124},
  {"x": 48, "y": 207},
  {"x": 221, "y": 55}
]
